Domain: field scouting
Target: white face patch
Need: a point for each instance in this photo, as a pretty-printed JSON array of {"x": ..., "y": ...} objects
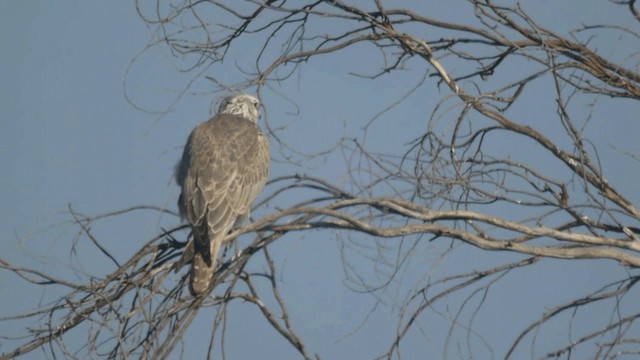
[{"x": 242, "y": 105}]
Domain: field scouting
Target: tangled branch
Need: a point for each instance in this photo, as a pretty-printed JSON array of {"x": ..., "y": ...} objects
[{"x": 502, "y": 161}]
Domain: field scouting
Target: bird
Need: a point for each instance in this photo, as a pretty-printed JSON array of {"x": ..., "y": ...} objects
[{"x": 224, "y": 166}]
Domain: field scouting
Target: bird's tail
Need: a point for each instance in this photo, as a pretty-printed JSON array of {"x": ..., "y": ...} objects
[
  {"x": 201, "y": 275},
  {"x": 203, "y": 264}
]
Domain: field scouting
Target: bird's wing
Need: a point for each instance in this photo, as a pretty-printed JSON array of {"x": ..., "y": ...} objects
[
  {"x": 252, "y": 168},
  {"x": 227, "y": 161}
]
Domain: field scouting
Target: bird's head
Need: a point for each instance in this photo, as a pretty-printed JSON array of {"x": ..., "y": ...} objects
[{"x": 243, "y": 105}]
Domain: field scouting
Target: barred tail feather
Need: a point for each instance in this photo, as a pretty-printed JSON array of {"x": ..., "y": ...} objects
[
  {"x": 201, "y": 275},
  {"x": 204, "y": 265}
]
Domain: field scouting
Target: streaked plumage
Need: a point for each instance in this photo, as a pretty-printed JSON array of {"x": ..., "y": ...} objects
[{"x": 223, "y": 168}]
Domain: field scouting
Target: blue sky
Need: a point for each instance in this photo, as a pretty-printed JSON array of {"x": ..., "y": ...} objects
[{"x": 68, "y": 135}]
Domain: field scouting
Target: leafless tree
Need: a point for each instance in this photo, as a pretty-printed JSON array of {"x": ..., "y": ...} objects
[{"x": 504, "y": 163}]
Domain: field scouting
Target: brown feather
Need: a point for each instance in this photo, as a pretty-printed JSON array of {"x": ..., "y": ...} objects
[{"x": 223, "y": 168}]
